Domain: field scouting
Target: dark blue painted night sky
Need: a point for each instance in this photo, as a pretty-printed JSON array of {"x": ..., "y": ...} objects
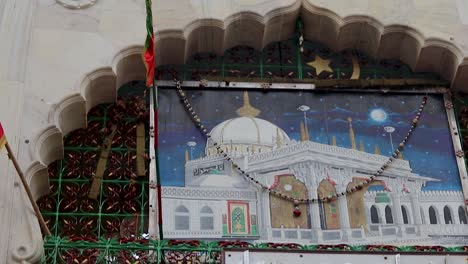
[{"x": 429, "y": 150}]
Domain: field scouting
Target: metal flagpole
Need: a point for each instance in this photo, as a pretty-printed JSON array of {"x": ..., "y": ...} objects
[
  {"x": 28, "y": 191},
  {"x": 156, "y": 157}
]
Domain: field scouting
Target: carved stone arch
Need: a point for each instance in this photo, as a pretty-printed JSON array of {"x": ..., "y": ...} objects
[
  {"x": 98, "y": 87},
  {"x": 461, "y": 77},
  {"x": 170, "y": 47},
  {"x": 280, "y": 23},
  {"x": 361, "y": 33},
  {"x": 205, "y": 35},
  {"x": 439, "y": 56},
  {"x": 128, "y": 66},
  {"x": 401, "y": 43},
  {"x": 244, "y": 29},
  {"x": 422, "y": 53},
  {"x": 321, "y": 25},
  {"x": 48, "y": 145},
  {"x": 69, "y": 114},
  {"x": 37, "y": 177}
]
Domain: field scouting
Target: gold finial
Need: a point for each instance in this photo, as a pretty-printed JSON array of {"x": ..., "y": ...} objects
[
  {"x": 247, "y": 110},
  {"x": 361, "y": 146},
  {"x": 187, "y": 158},
  {"x": 376, "y": 150},
  {"x": 334, "y": 140},
  {"x": 304, "y": 132},
  {"x": 278, "y": 138},
  {"x": 351, "y": 133}
]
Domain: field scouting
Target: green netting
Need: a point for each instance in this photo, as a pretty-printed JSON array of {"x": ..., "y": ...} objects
[
  {"x": 112, "y": 228},
  {"x": 283, "y": 60},
  {"x": 120, "y": 210}
]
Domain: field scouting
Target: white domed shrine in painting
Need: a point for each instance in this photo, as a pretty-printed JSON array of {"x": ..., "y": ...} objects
[{"x": 308, "y": 145}]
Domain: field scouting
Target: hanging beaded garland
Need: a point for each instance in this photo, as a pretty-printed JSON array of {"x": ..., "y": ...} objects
[{"x": 297, "y": 202}]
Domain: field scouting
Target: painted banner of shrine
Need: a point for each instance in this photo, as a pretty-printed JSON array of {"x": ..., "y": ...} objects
[{"x": 309, "y": 145}]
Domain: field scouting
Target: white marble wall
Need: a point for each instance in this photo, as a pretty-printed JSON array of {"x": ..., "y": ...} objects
[{"x": 47, "y": 52}]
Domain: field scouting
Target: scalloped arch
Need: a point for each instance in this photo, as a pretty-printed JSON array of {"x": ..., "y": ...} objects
[
  {"x": 248, "y": 28},
  {"x": 366, "y": 33},
  {"x": 176, "y": 46}
]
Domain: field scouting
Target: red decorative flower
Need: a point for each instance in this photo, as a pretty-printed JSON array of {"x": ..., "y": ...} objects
[{"x": 297, "y": 212}]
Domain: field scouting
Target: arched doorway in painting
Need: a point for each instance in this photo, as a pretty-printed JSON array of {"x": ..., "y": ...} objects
[
  {"x": 374, "y": 213},
  {"x": 462, "y": 215},
  {"x": 405, "y": 215},
  {"x": 388, "y": 215},
  {"x": 279, "y": 208},
  {"x": 433, "y": 215},
  {"x": 356, "y": 208},
  {"x": 329, "y": 211},
  {"x": 448, "y": 215}
]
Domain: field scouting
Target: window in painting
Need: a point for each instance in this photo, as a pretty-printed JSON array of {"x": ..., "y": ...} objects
[
  {"x": 206, "y": 218},
  {"x": 447, "y": 215},
  {"x": 462, "y": 215},
  {"x": 388, "y": 215},
  {"x": 374, "y": 215},
  {"x": 182, "y": 218},
  {"x": 405, "y": 215},
  {"x": 432, "y": 216}
]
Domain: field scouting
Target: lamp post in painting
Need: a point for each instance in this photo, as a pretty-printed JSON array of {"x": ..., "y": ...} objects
[
  {"x": 304, "y": 109},
  {"x": 390, "y": 130},
  {"x": 191, "y": 145}
]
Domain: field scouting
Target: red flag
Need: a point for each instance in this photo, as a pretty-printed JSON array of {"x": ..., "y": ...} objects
[
  {"x": 2, "y": 137},
  {"x": 148, "y": 55}
]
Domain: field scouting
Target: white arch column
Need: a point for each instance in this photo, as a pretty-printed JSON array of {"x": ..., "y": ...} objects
[
  {"x": 344, "y": 213},
  {"x": 416, "y": 209},
  {"x": 311, "y": 172},
  {"x": 455, "y": 218},
  {"x": 397, "y": 214}
]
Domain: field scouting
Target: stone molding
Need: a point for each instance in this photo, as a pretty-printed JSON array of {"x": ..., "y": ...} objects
[
  {"x": 76, "y": 4},
  {"x": 207, "y": 194}
]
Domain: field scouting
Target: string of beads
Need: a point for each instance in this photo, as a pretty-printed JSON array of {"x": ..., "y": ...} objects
[{"x": 330, "y": 198}]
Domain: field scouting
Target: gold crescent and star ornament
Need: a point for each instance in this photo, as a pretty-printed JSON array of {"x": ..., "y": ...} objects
[
  {"x": 323, "y": 65},
  {"x": 320, "y": 65}
]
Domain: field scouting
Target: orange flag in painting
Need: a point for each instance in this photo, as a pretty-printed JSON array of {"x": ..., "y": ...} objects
[{"x": 2, "y": 137}]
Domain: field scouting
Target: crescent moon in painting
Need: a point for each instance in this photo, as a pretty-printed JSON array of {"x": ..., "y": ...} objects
[{"x": 356, "y": 68}]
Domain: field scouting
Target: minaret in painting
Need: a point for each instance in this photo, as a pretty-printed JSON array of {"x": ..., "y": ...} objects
[
  {"x": 247, "y": 110},
  {"x": 351, "y": 133}
]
